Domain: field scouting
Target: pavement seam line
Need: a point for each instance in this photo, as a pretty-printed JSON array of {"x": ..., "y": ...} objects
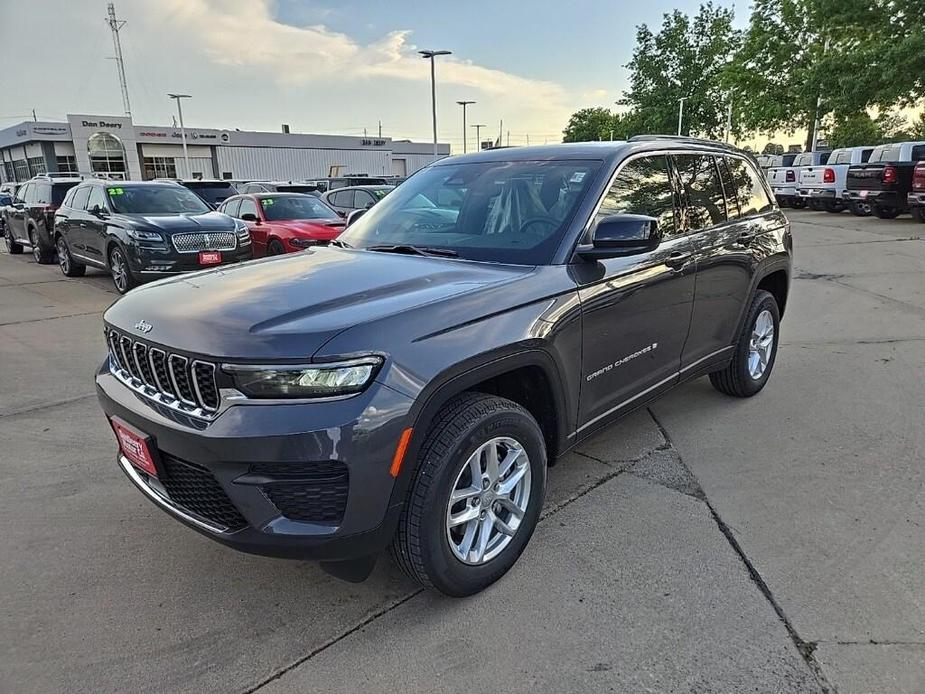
[
  {"x": 41, "y": 320},
  {"x": 327, "y": 644},
  {"x": 806, "y": 649},
  {"x": 46, "y": 406}
]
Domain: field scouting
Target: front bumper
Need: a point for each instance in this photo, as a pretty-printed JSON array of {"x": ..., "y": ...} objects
[
  {"x": 251, "y": 447},
  {"x": 153, "y": 263}
]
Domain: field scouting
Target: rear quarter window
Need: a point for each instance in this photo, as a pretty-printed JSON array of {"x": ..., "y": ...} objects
[{"x": 749, "y": 190}]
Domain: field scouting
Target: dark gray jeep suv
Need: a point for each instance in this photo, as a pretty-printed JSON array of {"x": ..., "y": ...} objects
[{"x": 408, "y": 386}]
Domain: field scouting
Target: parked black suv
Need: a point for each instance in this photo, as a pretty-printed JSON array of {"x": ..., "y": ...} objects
[
  {"x": 30, "y": 218},
  {"x": 409, "y": 385},
  {"x": 140, "y": 231}
]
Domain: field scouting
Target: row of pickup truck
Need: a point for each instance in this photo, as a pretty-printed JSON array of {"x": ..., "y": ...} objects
[{"x": 886, "y": 181}]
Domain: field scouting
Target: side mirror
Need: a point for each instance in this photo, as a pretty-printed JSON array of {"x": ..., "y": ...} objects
[
  {"x": 97, "y": 211},
  {"x": 19, "y": 204},
  {"x": 620, "y": 235},
  {"x": 354, "y": 215},
  {"x": 250, "y": 217}
]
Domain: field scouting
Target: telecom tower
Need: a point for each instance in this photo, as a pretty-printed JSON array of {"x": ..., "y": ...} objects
[{"x": 115, "y": 25}]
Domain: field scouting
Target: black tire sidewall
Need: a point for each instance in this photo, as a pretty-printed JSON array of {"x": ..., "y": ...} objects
[
  {"x": 446, "y": 572},
  {"x": 275, "y": 248},
  {"x": 763, "y": 301},
  {"x": 129, "y": 279}
]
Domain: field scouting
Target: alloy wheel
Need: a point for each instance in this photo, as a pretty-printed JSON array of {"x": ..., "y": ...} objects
[
  {"x": 36, "y": 251},
  {"x": 760, "y": 345},
  {"x": 488, "y": 500},
  {"x": 64, "y": 257},
  {"x": 119, "y": 270}
]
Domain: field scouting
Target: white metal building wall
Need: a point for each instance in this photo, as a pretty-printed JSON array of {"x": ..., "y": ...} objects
[
  {"x": 281, "y": 163},
  {"x": 200, "y": 166}
]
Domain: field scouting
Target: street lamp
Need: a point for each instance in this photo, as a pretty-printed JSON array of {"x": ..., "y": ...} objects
[
  {"x": 464, "y": 104},
  {"x": 177, "y": 97},
  {"x": 478, "y": 140},
  {"x": 433, "y": 89},
  {"x": 681, "y": 112}
]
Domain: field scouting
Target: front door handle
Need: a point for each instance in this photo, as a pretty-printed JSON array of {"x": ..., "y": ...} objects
[
  {"x": 745, "y": 238},
  {"x": 677, "y": 259}
]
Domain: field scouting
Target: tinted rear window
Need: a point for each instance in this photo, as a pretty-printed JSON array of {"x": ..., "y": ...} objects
[
  {"x": 885, "y": 153},
  {"x": 787, "y": 159},
  {"x": 58, "y": 191},
  {"x": 212, "y": 192}
]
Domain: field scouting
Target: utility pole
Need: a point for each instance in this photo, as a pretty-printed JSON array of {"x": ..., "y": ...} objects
[
  {"x": 178, "y": 97},
  {"x": 478, "y": 139},
  {"x": 464, "y": 104},
  {"x": 380, "y": 129},
  {"x": 115, "y": 25},
  {"x": 681, "y": 112},
  {"x": 433, "y": 88},
  {"x": 34, "y": 117},
  {"x": 508, "y": 138}
]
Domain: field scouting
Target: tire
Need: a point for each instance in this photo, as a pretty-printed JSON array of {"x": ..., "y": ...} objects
[
  {"x": 738, "y": 379},
  {"x": 919, "y": 213},
  {"x": 41, "y": 255},
  {"x": 885, "y": 212},
  {"x": 425, "y": 546},
  {"x": 121, "y": 273},
  {"x": 798, "y": 203},
  {"x": 861, "y": 209},
  {"x": 834, "y": 206},
  {"x": 12, "y": 246},
  {"x": 275, "y": 247},
  {"x": 815, "y": 205},
  {"x": 783, "y": 202},
  {"x": 69, "y": 266}
]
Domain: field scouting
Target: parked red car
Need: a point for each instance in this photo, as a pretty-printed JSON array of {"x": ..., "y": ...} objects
[{"x": 284, "y": 222}]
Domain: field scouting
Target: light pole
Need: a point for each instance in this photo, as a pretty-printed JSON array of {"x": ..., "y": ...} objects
[
  {"x": 177, "y": 97},
  {"x": 464, "y": 104},
  {"x": 478, "y": 139},
  {"x": 681, "y": 112},
  {"x": 433, "y": 88}
]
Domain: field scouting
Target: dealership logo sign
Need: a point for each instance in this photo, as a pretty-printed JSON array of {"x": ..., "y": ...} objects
[{"x": 100, "y": 124}]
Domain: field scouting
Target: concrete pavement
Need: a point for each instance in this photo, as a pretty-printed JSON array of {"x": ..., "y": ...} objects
[{"x": 706, "y": 544}]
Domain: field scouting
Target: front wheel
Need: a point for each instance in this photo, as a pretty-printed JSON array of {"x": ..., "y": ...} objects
[
  {"x": 12, "y": 247},
  {"x": 476, "y": 495},
  {"x": 755, "y": 350},
  {"x": 121, "y": 273},
  {"x": 275, "y": 247}
]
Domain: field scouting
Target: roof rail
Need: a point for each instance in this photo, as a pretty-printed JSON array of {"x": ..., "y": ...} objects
[{"x": 681, "y": 138}]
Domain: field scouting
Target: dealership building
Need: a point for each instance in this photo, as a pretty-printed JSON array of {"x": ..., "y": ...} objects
[{"x": 114, "y": 146}]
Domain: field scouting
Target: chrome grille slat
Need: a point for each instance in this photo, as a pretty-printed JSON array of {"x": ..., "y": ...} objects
[
  {"x": 194, "y": 242},
  {"x": 170, "y": 379}
]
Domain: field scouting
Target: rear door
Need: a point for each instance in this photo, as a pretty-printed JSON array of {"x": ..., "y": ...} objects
[
  {"x": 636, "y": 310},
  {"x": 95, "y": 227},
  {"x": 76, "y": 227},
  {"x": 25, "y": 197}
]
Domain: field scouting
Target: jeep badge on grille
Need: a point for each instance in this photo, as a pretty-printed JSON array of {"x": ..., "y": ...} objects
[{"x": 143, "y": 326}]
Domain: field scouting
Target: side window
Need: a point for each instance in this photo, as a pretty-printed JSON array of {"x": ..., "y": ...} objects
[
  {"x": 42, "y": 193},
  {"x": 343, "y": 198},
  {"x": 865, "y": 155},
  {"x": 643, "y": 186},
  {"x": 248, "y": 206},
  {"x": 702, "y": 191},
  {"x": 824, "y": 157},
  {"x": 732, "y": 201},
  {"x": 753, "y": 198},
  {"x": 79, "y": 202},
  {"x": 250, "y": 188},
  {"x": 918, "y": 153},
  {"x": 26, "y": 194},
  {"x": 363, "y": 200},
  {"x": 232, "y": 207},
  {"x": 96, "y": 198}
]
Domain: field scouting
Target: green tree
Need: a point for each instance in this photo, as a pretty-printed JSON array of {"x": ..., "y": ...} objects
[
  {"x": 917, "y": 131},
  {"x": 684, "y": 59},
  {"x": 860, "y": 129},
  {"x": 588, "y": 125}
]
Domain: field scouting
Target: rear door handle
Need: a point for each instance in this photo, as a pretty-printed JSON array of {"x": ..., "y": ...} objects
[{"x": 677, "y": 259}]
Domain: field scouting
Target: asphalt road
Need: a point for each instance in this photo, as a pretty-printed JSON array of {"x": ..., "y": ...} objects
[{"x": 704, "y": 544}]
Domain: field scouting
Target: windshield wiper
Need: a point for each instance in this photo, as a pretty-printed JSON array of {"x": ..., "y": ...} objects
[
  {"x": 415, "y": 250},
  {"x": 338, "y": 242}
]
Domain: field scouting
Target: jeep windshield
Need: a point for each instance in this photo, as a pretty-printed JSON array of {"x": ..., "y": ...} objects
[
  {"x": 166, "y": 199},
  {"x": 507, "y": 212}
]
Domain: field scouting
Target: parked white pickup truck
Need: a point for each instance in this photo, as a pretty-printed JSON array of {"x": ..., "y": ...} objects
[
  {"x": 782, "y": 177},
  {"x": 823, "y": 186}
]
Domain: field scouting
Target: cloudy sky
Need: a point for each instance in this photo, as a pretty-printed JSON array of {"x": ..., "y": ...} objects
[{"x": 325, "y": 67}]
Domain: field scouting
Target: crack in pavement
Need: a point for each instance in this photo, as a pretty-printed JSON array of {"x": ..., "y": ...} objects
[
  {"x": 836, "y": 279},
  {"x": 45, "y": 406},
  {"x": 806, "y": 649},
  {"x": 42, "y": 320},
  {"x": 870, "y": 642},
  {"x": 842, "y": 343}
]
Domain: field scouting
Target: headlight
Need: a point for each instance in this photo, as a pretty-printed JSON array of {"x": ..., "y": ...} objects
[
  {"x": 139, "y": 235},
  {"x": 241, "y": 231},
  {"x": 306, "y": 380}
]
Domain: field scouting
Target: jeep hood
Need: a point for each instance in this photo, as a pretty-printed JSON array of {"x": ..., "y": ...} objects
[{"x": 288, "y": 307}]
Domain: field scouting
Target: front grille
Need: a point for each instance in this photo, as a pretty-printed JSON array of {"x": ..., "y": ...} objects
[
  {"x": 208, "y": 241},
  {"x": 168, "y": 378},
  {"x": 194, "y": 488},
  {"x": 313, "y": 492}
]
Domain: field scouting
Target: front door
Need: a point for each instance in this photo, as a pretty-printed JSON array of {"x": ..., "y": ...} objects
[
  {"x": 636, "y": 310},
  {"x": 20, "y": 210},
  {"x": 257, "y": 229}
]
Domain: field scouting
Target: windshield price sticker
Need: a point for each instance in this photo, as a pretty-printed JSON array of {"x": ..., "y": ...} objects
[
  {"x": 116, "y": 191},
  {"x": 267, "y": 201}
]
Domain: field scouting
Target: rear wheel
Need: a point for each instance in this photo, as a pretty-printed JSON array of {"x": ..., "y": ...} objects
[
  {"x": 834, "y": 206},
  {"x": 476, "y": 495},
  {"x": 815, "y": 205},
  {"x": 69, "y": 266},
  {"x": 919, "y": 213},
  {"x": 861, "y": 209},
  {"x": 121, "y": 274},
  {"x": 883, "y": 212},
  {"x": 755, "y": 350},
  {"x": 275, "y": 247},
  {"x": 41, "y": 255},
  {"x": 12, "y": 246}
]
